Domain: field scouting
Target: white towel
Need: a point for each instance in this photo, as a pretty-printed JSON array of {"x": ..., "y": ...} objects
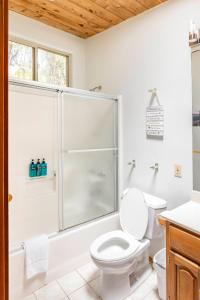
[{"x": 36, "y": 256}]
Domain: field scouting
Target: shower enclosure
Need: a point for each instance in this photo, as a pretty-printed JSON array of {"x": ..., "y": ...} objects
[
  {"x": 77, "y": 132},
  {"x": 88, "y": 158}
]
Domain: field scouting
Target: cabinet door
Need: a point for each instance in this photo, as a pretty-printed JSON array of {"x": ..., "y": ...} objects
[{"x": 183, "y": 278}]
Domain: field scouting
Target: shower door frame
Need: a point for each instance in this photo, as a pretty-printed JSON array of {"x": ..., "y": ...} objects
[
  {"x": 78, "y": 92},
  {"x": 4, "y": 150},
  {"x": 118, "y": 149}
]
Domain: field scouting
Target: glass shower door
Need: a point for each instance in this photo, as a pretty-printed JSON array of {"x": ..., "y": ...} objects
[{"x": 89, "y": 158}]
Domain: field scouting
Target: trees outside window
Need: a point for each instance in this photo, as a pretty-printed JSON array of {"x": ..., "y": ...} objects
[
  {"x": 20, "y": 61},
  {"x": 32, "y": 62},
  {"x": 52, "y": 67}
]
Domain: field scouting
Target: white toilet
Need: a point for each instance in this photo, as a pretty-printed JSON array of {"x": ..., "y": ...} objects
[{"x": 122, "y": 255}]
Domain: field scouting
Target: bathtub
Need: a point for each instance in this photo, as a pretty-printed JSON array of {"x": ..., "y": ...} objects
[{"x": 68, "y": 250}]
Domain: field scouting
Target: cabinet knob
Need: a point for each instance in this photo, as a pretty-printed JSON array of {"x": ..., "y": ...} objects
[{"x": 10, "y": 197}]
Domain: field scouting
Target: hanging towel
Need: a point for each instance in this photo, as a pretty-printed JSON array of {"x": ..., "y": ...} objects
[{"x": 36, "y": 256}]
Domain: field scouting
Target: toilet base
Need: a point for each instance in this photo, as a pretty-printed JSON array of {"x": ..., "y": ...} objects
[{"x": 120, "y": 286}]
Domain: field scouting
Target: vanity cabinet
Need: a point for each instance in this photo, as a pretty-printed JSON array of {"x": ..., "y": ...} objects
[
  {"x": 183, "y": 263},
  {"x": 183, "y": 278}
]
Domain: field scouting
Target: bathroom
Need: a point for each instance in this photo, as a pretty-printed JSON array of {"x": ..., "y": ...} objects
[{"x": 84, "y": 124}]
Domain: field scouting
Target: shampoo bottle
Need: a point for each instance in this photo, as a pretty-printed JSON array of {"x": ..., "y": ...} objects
[
  {"x": 44, "y": 168},
  {"x": 39, "y": 169},
  {"x": 32, "y": 169}
]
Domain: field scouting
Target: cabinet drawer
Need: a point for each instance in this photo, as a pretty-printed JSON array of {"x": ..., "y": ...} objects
[{"x": 184, "y": 243}]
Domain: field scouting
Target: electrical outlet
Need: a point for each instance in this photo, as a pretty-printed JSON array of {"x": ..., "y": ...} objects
[{"x": 178, "y": 171}]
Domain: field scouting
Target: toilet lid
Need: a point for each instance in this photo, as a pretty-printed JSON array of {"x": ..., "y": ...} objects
[{"x": 134, "y": 213}]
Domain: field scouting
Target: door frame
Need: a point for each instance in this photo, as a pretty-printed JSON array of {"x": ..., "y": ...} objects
[{"x": 4, "y": 149}]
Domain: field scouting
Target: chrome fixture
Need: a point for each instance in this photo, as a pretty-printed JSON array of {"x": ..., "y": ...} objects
[
  {"x": 132, "y": 163},
  {"x": 155, "y": 167},
  {"x": 96, "y": 89},
  {"x": 153, "y": 91}
]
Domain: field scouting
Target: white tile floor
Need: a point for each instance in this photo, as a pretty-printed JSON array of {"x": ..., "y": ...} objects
[{"x": 82, "y": 284}]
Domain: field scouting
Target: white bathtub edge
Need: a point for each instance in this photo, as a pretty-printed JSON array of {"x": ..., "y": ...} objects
[{"x": 67, "y": 251}]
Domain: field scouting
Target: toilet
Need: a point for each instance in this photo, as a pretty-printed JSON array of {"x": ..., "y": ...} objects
[{"x": 122, "y": 255}]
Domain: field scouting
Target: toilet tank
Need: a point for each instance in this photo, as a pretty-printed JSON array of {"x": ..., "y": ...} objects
[{"x": 155, "y": 207}]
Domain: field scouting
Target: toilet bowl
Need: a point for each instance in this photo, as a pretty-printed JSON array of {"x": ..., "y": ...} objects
[
  {"x": 122, "y": 255},
  {"x": 114, "y": 251}
]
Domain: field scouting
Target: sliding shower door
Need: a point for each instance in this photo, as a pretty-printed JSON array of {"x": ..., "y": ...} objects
[{"x": 89, "y": 158}]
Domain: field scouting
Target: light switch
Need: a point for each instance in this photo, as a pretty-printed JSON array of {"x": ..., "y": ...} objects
[{"x": 178, "y": 171}]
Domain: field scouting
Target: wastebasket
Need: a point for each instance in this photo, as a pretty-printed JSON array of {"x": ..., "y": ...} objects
[{"x": 159, "y": 262}]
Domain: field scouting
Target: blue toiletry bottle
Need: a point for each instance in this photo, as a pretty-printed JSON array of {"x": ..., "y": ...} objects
[
  {"x": 32, "y": 169},
  {"x": 39, "y": 168},
  {"x": 44, "y": 168}
]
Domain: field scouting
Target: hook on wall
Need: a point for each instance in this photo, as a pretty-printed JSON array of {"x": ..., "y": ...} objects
[
  {"x": 132, "y": 163},
  {"x": 155, "y": 167},
  {"x": 154, "y": 95},
  {"x": 153, "y": 91}
]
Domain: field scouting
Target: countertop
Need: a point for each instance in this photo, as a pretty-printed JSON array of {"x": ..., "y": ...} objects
[{"x": 186, "y": 216}]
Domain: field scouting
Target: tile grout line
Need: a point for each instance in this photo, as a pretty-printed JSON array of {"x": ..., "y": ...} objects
[
  {"x": 81, "y": 275},
  {"x": 88, "y": 282},
  {"x": 68, "y": 295},
  {"x": 85, "y": 279},
  {"x": 79, "y": 289},
  {"x": 62, "y": 289},
  {"x": 36, "y": 298}
]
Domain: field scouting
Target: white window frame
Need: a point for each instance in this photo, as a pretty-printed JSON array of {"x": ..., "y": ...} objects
[{"x": 35, "y": 47}]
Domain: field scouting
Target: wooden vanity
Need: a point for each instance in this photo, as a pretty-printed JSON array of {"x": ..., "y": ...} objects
[{"x": 183, "y": 257}]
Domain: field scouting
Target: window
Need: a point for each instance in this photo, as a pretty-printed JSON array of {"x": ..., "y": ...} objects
[
  {"x": 52, "y": 67},
  {"x": 33, "y": 62},
  {"x": 20, "y": 61}
]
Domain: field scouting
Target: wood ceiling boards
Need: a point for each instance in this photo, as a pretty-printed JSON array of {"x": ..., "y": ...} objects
[{"x": 83, "y": 18}]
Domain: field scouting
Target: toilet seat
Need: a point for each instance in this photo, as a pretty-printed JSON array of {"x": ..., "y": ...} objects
[
  {"x": 114, "y": 246},
  {"x": 120, "y": 245}
]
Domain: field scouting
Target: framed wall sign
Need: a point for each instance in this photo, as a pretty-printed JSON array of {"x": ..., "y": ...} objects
[
  {"x": 155, "y": 121},
  {"x": 154, "y": 117}
]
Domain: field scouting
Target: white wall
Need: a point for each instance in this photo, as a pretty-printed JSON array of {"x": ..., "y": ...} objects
[
  {"x": 151, "y": 50},
  {"x": 31, "y": 30},
  {"x": 196, "y": 108},
  {"x": 32, "y": 135}
]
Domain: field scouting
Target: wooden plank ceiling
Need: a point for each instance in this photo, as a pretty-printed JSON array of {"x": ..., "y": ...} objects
[{"x": 83, "y": 18}]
